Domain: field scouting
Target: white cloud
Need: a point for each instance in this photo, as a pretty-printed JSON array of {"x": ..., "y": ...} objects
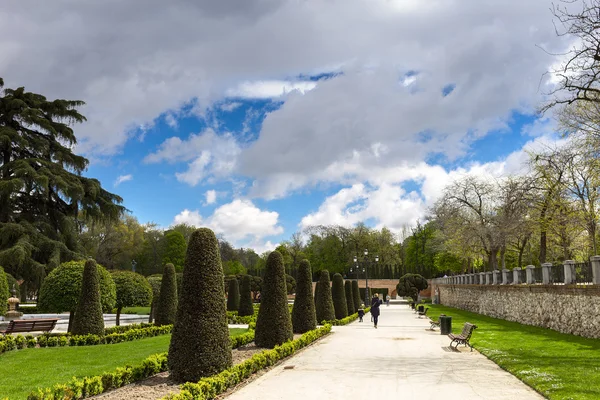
[
  {"x": 211, "y": 196},
  {"x": 188, "y": 217},
  {"x": 230, "y": 106},
  {"x": 123, "y": 178},
  {"x": 270, "y": 89}
]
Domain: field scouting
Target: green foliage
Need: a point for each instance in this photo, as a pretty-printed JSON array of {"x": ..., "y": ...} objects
[
  {"x": 155, "y": 282},
  {"x": 290, "y": 284},
  {"x": 234, "y": 267},
  {"x": 88, "y": 317},
  {"x": 174, "y": 250},
  {"x": 383, "y": 292},
  {"x": 233, "y": 295},
  {"x": 324, "y": 302},
  {"x": 133, "y": 290},
  {"x": 356, "y": 295},
  {"x": 410, "y": 285},
  {"x": 345, "y": 321},
  {"x": 349, "y": 297},
  {"x": 13, "y": 284},
  {"x": 166, "y": 308},
  {"x": 4, "y": 294},
  {"x": 200, "y": 342},
  {"x": 273, "y": 325},
  {"x": 304, "y": 318},
  {"x": 246, "y": 307},
  {"x": 339, "y": 297},
  {"x": 61, "y": 289}
]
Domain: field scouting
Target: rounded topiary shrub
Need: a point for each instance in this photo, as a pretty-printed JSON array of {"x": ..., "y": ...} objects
[
  {"x": 155, "y": 281},
  {"x": 133, "y": 290},
  {"x": 200, "y": 343},
  {"x": 246, "y": 307},
  {"x": 233, "y": 295},
  {"x": 88, "y": 316},
  {"x": 349, "y": 297},
  {"x": 166, "y": 308},
  {"x": 338, "y": 294},
  {"x": 61, "y": 289},
  {"x": 324, "y": 303},
  {"x": 273, "y": 324},
  {"x": 304, "y": 318},
  {"x": 4, "y": 293},
  {"x": 356, "y": 295}
]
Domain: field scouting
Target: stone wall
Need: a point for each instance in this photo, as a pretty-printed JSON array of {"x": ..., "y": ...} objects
[{"x": 567, "y": 309}]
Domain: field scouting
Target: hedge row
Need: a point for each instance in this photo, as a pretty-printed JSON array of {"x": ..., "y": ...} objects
[
  {"x": 209, "y": 388},
  {"x": 345, "y": 321},
  {"x": 234, "y": 318}
]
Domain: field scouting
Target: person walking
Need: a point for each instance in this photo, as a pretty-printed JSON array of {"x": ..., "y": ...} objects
[
  {"x": 361, "y": 312},
  {"x": 375, "y": 303},
  {"x": 387, "y": 300}
]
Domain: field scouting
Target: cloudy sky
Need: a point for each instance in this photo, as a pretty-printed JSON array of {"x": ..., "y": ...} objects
[{"x": 260, "y": 117}]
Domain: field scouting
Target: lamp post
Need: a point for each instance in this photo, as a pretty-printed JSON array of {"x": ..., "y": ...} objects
[{"x": 366, "y": 264}]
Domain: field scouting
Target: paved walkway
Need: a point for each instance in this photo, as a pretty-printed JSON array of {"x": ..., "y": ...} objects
[{"x": 399, "y": 360}]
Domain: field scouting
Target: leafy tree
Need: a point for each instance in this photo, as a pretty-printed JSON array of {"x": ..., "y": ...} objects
[
  {"x": 233, "y": 295},
  {"x": 339, "y": 297},
  {"x": 149, "y": 259},
  {"x": 200, "y": 343},
  {"x": 4, "y": 293},
  {"x": 133, "y": 290},
  {"x": 304, "y": 317},
  {"x": 42, "y": 190},
  {"x": 166, "y": 308},
  {"x": 234, "y": 267},
  {"x": 246, "y": 307},
  {"x": 349, "y": 297},
  {"x": 324, "y": 302},
  {"x": 356, "y": 295},
  {"x": 62, "y": 287},
  {"x": 410, "y": 285},
  {"x": 88, "y": 317},
  {"x": 155, "y": 282},
  {"x": 273, "y": 324},
  {"x": 175, "y": 248},
  {"x": 290, "y": 284}
]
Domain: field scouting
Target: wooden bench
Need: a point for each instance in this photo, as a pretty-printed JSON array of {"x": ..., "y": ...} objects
[
  {"x": 464, "y": 336},
  {"x": 423, "y": 313},
  {"x": 435, "y": 324},
  {"x": 30, "y": 325}
]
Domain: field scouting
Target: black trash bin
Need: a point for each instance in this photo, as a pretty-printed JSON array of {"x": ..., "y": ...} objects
[
  {"x": 421, "y": 308},
  {"x": 445, "y": 325}
]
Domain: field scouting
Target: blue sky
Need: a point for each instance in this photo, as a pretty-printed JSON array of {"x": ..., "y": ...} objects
[{"x": 286, "y": 114}]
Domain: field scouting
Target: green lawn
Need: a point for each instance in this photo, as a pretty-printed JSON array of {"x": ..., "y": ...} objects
[
  {"x": 557, "y": 365},
  {"x": 21, "y": 371},
  {"x": 134, "y": 310}
]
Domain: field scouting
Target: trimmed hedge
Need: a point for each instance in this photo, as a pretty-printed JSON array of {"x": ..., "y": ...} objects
[
  {"x": 211, "y": 387},
  {"x": 88, "y": 317},
  {"x": 274, "y": 323},
  {"x": 246, "y": 308},
  {"x": 166, "y": 308},
  {"x": 233, "y": 295},
  {"x": 349, "y": 297},
  {"x": 234, "y": 318},
  {"x": 324, "y": 302},
  {"x": 155, "y": 282},
  {"x": 4, "y": 293},
  {"x": 339, "y": 297},
  {"x": 356, "y": 295},
  {"x": 200, "y": 342},
  {"x": 347, "y": 320},
  {"x": 304, "y": 317}
]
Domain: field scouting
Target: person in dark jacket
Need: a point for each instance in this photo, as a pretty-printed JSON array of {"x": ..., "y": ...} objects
[{"x": 375, "y": 303}]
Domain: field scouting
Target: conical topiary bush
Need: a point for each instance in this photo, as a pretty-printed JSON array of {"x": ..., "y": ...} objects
[
  {"x": 88, "y": 316},
  {"x": 324, "y": 304},
  {"x": 339, "y": 297},
  {"x": 304, "y": 318},
  {"x": 246, "y": 307},
  {"x": 349, "y": 297},
  {"x": 356, "y": 295},
  {"x": 166, "y": 308},
  {"x": 273, "y": 324},
  {"x": 233, "y": 295},
  {"x": 200, "y": 343}
]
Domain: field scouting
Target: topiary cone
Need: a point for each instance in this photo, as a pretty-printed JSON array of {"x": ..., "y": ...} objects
[
  {"x": 233, "y": 295},
  {"x": 88, "y": 317},
  {"x": 349, "y": 297},
  {"x": 339, "y": 297},
  {"x": 356, "y": 295},
  {"x": 273, "y": 324},
  {"x": 304, "y": 317},
  {"x": 200, "y": 343},
  {"x": 166, "y": 307},
  {"x": 246, "y": 307},
  {"x": 324, "y": 304}
]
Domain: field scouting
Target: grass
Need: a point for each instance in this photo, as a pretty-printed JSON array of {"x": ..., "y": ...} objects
[
  {"x": 557, "y": 365},
  {"x": 22, "y": 371},
  {"x": 134, "y": 310}
]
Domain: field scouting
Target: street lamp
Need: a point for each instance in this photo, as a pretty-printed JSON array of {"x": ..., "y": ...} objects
[{"x": 366, "y": 264}]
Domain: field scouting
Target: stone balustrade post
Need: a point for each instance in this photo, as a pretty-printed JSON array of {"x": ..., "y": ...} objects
[
  {"x": 505, "y": 276},
  {"x": 482, "y": 276},
  {"x": 570, "y": 276},
  {"x": 529, "y": 278},
  {"x": 516, "y": 276},
  {"x": 488, "y": 278},
  {"x": 595, "y": 260},
  {"x": 546, "y": 273},
  {"x": 496, "y": 277}
]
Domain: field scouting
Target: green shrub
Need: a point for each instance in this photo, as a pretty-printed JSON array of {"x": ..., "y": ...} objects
[
  {"x": 4, "y": 293},
  {"x": 200, "y": 343},
  {"x": 347, "y": 320},
  {"x": 246, "y": 308},
  {"x": 13, "y": 284},
  {"x": 410, "y": 285},
  {"x": 304, "y": 318},
  {"x": 155, "y": 282},
  {"x": 273, "y": 324},
  {"x": 339, "y": 297},
  {"x": 324, "y": 304},
  {"x": 88, "y": 317},
  {"x": 166, "y": 309},
  {"x": 133, "y": 290},
  {"x": 233, "y": 295},
  {"x": 349, "y": 298},
  {"x": 356, "y": 295},
  {"x": 174, "y": 249}
]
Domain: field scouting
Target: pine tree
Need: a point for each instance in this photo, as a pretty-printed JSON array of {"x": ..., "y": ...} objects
[
  {"x": 233, "y": 295},
  {"x": 200, "y": 343},
  {"x": 304, "y": 317},
  {"x": 349, "y": 297},
  {"x": 339, "y": 297},
  {"x": 356, "y": 295},
  {"x": 324, "y": 302},
  {"x": 246, "y": 307},
  {"x": 39, "y": 229},
  {"x": 166, "y": 308},
  {"x": 4, "y": 292},
  {"x": 88, "y": 317}
]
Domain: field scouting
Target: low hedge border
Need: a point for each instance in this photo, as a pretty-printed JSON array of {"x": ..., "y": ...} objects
[
  {"x": 94, "y": 385},
  {"x": 209, "y": 388},
  {"x": 234, "y": 319},
  {"x": 345, "y": 321}
]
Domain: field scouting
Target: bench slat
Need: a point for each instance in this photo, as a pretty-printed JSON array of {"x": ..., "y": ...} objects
[{"x": 30, "y": 325}]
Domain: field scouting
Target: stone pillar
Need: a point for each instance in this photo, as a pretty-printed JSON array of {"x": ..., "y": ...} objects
[
  {"x": 471, "y": 279},
  {"x": 546, "y": 273},
  {"x": 496, "y": 277},
  {"x": 505, "y": 276},
  {"x": 482, "y": 276},
  {"x": 529, "y": 278},
  {"x": 488, "y": 278},
  {"x": 516, "y": 276},
  {"x": 595, "y": 260},
  {"x": 569, "y": 266}
]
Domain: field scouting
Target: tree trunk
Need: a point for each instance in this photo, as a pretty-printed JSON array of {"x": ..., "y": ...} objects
[
  {"x": 118, "y": 322},
  {"x": 151, "y": 316},
  {"x": 543, "y": 235},
  {"x": 503, "y": 257},
  {"x": 71, "y": 316},
  {"x": 493, "y": 259}
]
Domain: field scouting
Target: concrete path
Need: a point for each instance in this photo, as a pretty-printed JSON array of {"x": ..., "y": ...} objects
[{"x": 399, "y": 360}]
